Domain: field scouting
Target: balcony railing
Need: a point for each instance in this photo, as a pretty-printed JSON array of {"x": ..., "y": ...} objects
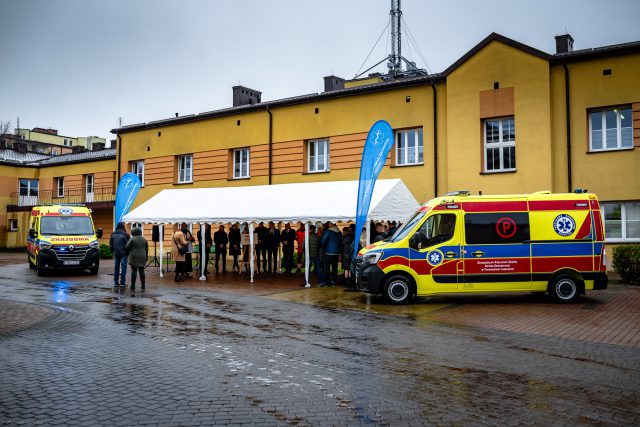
[{"x": 71, "y": 195}]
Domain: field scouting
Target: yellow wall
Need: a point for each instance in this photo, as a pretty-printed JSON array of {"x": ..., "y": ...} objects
[
  {"x": 529, "y": 76},
  {"x": 9, "y": 176}
]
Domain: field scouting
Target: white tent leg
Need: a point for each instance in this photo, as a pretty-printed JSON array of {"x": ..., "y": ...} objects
[
  {"x": 251, "y": 250},
  {"x": 203, "y": 245},
  {"x": 306, "y": 255},
  {"x": 161, "y": 228},
  {"x": 367, "y": 237}
]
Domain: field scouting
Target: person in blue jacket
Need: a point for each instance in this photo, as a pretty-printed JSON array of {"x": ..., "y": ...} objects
[{"x": 331, "y": 244}]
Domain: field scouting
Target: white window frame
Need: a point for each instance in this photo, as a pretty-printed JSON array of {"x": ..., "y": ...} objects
[
  {"x": 185, "y": 168},
  {"x": 313, "y": 161},
  {"x": 137, "y": 167},
  {"x": 500, "y": 145},
  {"x": 13, "y": 224},
  {"x": 623, "y": 223},
  {"x": 603, "y": 128},
  {"x": 402, "y": 153},
  {"x": 60, "y": 186},
  {"x": 238, "y": 172}
]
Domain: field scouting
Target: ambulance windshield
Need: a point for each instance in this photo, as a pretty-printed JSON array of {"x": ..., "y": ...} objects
[
  {"x": 66, "y": 226},
  {"x": 408, "y": 225}
]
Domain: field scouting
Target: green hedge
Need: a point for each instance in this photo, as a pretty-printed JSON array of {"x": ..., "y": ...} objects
[
  {"x": 105, "y": 252},
  {"x": 626, "y": 262}
]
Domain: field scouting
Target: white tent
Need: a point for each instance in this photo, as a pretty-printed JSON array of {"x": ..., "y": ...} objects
[{"x": 304, "y": 202}]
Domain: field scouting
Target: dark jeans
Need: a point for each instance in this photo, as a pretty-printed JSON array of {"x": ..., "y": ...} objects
[
  {"x": 224, "y": 260},
  {"x": 134, "y": 274},
  {"x": 273, "y": 254},
  {"x": 188, "y": 262},
  {"x": 330, "y": 269},
  {"x": 287, "y": 256},
  {"x": 263, "y": 252},
  {"x": 120, "y": 271},
  {"x": 315, "y": 262}
]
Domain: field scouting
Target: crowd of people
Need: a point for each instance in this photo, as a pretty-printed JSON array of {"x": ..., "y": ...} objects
[{"x": 329, "y": 247}]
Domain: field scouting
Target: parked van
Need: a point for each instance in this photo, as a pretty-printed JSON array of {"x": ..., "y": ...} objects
[
  {"x": 63, "y": 237},
  {"x": 459, "y": 243}
]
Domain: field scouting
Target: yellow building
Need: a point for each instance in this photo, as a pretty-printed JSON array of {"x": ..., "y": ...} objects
[
  {"x": 504, "y": 118},
  {"x": 50, "y": 136}
]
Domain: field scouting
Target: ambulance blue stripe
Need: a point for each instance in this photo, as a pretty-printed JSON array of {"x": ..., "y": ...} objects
[
  {"x": 517, "y": 250},
  {"x": 561, "y": 249}
]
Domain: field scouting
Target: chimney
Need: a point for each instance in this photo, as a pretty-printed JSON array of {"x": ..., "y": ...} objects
[
  {"x": 245, "y": 96},
  {"x": 20, "y": 147},
  {"x": 76, "y": 149},
  {"x": 97, "y": 146},
  {"x": 564, "y": 43},
  {"x": 332, "y": 83}
]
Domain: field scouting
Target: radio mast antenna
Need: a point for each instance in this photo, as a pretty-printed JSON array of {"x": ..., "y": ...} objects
[{"x": 395, "y": 63}]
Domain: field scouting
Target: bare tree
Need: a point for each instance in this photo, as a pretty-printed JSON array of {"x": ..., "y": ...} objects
[{"x": 5, "y": 127}]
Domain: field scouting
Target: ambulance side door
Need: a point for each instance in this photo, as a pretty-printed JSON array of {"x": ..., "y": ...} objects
[
  {"x": 497, "y": 251},
  {"x": 434, "y": 252}
]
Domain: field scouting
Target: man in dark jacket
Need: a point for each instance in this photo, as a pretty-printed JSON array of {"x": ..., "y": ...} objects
[
  {"x": 331, "y": 243},
  {"x": 273, "y": 243},
  {"x": 220, "y": 239},
  {"x": 117, "y": 245},
  {"x": 261, "y": 246},
  {"x": 288, "y": 237}
]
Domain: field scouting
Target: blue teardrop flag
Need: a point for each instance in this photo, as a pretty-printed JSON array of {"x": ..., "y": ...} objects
[{"x": 128, "y": 188}]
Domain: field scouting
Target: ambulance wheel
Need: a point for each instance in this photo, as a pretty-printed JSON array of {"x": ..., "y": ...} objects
[
  {"x": 398, "y": 290},
  {"x": 39, "y": 270},
  {"x": 93, "y": 271},
  {"x": 564, "y": 289}
]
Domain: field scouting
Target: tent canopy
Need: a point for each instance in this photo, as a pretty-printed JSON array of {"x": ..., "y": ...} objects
[{"x": 315, "y": 201}]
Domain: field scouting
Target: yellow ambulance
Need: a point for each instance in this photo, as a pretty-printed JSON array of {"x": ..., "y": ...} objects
[
  {"x": 459, "y": 243},
  {"x": 62, "y": 237}
]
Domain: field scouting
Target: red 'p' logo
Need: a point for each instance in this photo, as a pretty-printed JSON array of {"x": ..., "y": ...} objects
[{"x": 506, "y": 227}]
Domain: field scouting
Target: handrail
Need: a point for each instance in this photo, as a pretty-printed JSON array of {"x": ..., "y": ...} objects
[{"x": 71, "y": 195}]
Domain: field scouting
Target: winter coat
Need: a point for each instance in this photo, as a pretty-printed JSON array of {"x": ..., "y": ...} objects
[
  {"x": 347, "y": 249},
  {"x": 118, "y": 241},
  {"x": 234, "y": 241},
  {"x": 178, "y": 238},
  {"x": 137, "y": 248},
  {"x": 314, "y": 245},
  {"x": 300, "y": 239},
  {"x": 331, "y": 242}
]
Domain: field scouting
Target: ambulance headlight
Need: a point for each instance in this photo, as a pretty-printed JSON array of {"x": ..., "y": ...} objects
[
  {"x": 94, "y": 244},
  {"x": 44, "y": 245},
  {"x": 372, "y": 257}
]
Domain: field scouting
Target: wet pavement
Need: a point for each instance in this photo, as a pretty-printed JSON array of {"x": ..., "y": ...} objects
[{"x": 225, "y": 352}]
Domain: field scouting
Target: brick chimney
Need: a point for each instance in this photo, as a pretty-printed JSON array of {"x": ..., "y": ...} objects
[
  {"x": 245, "y": 96},
  {"x": 564, "y": 43},
  {"x": 332, "y": 83}
]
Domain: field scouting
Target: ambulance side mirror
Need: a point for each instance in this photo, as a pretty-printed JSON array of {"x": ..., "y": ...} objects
[
  {"x": 32, "y": 233},
  {"x": 99, "y": 233}
]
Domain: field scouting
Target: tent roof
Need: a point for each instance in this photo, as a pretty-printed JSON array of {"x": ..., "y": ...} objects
[{"x": 314, "y": 201}]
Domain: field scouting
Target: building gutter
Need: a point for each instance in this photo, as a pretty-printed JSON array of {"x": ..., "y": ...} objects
[
  {"x": 435, "y": 138},
  {"x": 568, "y": 116},
  {"x": 270, "y": 140},
  {"x": 118, "y": 157}
]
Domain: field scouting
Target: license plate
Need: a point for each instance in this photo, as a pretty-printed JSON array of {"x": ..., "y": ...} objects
[{"x": 71, "y": 263}]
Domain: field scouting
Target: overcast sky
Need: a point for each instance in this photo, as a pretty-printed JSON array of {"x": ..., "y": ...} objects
[{"x": 78, "y": 65}]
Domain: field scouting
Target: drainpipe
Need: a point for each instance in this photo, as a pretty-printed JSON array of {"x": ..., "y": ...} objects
[
  {"x": 435, "y": 138},
  {"x": 119, "y": 154},
  {"x": 270, "y": 140},
  {"x": 568, "y": 114}
]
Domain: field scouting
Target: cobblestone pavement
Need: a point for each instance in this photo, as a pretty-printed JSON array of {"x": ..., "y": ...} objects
[{"x": 76, "y": 353}]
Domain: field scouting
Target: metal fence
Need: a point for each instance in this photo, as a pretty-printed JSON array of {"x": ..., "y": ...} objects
[{"x": 70, "y": 195}]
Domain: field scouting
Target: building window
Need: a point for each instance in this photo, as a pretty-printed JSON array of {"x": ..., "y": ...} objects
[
  {"x": 60, "y": 186},
  {"x": 28, "y": 191},
  {"x": 610, "y": 129},
  {"x": 500, "y": 145},
  {"x": 137, "y": 167},
  {"x": 409, "y": 147},
  {"x": 241, "y": 163},
  {"x": 185, "y": 168},
  {"x": 318, "y": 156},
  {"x": 622, "y": 221},
  {"x": 13, "y": 225}
]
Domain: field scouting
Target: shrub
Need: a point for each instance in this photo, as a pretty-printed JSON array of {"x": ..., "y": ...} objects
[
  {"x": 626, "y": 262},
  {"x": 105, "y": 252}
]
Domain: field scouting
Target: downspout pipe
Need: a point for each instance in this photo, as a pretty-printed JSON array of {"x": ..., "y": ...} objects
[
  {"x": 568, "y": 115},
  {"x": 119, "y": 156},
  {"x": 270, "y": 141},
  {"x": 435, "y": 138}
]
